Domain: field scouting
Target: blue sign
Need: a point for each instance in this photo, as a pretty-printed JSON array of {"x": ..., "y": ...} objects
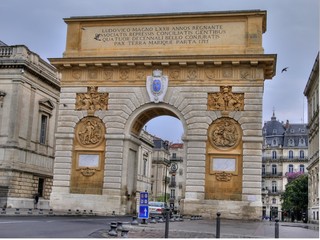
[
  {"x": 143, "y": 212},
  {"x": 144, "y": 206},
  {"x": 144, "y": 198}
]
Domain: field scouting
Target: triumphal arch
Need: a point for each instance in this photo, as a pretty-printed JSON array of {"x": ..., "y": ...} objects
[{"x": 118, "y": 72}]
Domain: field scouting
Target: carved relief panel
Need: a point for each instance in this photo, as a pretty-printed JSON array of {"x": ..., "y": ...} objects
[
  {"x": 92, "y": 100},
  {"x": 224, "y": 160},
  {"x": 88, "y": 156},
  {"x": 226, "y": 100}
]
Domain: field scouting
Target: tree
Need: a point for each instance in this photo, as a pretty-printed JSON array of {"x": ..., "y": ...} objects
[{"x": 295, "y": 197}]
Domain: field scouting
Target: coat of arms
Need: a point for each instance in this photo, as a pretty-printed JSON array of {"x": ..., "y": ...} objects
[{"x": 157, "y": 86}]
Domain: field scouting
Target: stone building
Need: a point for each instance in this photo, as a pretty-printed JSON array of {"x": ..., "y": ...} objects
[
  {"x": 141, "y": 171},
  {"x": 312, "y": 93},
  {"x": 29, "y": 96},
  {"x": 284, "y": 152},
  {"x": 176, "y": 174},
  {"x": 160, "y": 170}
]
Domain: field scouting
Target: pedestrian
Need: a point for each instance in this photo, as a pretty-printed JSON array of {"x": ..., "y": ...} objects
[{"x": 36, "y": 200}]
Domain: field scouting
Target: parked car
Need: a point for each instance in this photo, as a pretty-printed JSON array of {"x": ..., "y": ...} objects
[{"x": 156, "y": 208}]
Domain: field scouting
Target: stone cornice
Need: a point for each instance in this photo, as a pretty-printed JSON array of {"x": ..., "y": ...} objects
[{"x": 211, "y": 63}]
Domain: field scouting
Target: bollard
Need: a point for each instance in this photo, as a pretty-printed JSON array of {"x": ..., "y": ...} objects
[
  {"x": 3, "y": 211},
  {"x": 30, "y": 211},
  {"x": 153, "y": 219},
  {"x": 218, "y": 225},
  {"x": 124, "y": 233},
  {"x": 113, "y": 230},
  {"x": 166, "y": 231},
  {"x": 50, "y": 211},
  {"x": 119, "y": 226},
  {"x": 276, "y": 228},
  {"x": 134, "y": 221}
]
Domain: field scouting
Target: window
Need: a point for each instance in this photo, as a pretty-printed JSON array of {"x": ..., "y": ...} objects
[
  {"x": 274, "y": 169},
  {"x": 274, "y": 142},
  {"x": 263, "y": 169},
  {"x": 145, "y": 162},
  {"x": 301, "y": 168},
  {"x": 40, "y": 187},
  {"x": 274, "y": 155},
  {"x": 43, "y": 129},
  {"x": 172, "y": 193},
  {"x": 290, "y": 142},
  {"x": 290, "y": 168},
  {"x": 174, "y": 155},
  {"x": 274, "y": 186},
  {"x": 301, "y": 154},
  {"x": 274, "y": 201},
  {"x": 274, "y": 131},
  {"x": 290, "y": 154}
]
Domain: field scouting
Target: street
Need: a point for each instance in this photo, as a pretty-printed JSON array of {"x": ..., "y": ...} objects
[
  {"x": 54, "y": 226},
  {"x": 45, "y": 226}
]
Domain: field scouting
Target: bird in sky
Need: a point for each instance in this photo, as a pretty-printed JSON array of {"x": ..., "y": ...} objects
[{"x": 284, "y": 69}]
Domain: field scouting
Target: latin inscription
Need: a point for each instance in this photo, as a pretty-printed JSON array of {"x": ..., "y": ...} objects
[{"x": 162, "y": 35}]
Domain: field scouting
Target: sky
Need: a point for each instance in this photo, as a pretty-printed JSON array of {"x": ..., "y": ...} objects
[{"x": 292, "y": 33}]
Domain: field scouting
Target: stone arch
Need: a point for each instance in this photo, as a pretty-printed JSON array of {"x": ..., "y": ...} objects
[{"x": 149, "y": 111}]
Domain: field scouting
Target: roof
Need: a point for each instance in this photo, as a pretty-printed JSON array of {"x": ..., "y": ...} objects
[{"x": 176, "y": 145}]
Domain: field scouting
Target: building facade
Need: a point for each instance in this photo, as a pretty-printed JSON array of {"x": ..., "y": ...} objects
[
  {"x": 177, "y": 174},
  {"x": 284, "y": 152},
  {"x": 160, "y": 171},
  {"x": 312, "y": 94},
  {"x": 29, "y": 97}
]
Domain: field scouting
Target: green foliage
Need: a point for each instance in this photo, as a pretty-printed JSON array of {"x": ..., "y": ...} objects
[
  {"x": 295, "y": 198},
  {"x": 162, "y": 198}
]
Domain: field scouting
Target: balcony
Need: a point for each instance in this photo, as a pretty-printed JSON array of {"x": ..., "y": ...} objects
[
  {"x": 272, "y": 175},
  {"x": 284, "y": 159},
  {"x": 178, "y": 159}
]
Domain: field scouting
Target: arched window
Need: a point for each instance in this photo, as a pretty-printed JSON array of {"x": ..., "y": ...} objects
[
  {"x": 274, "y": 142},
  {"x": 291, "y": 142},
  {"x": 301, "y": 154},
  {"x": 274, "y": 155},
  {"x": 290, "y": 154},
  {"x": 290, "y": 168}
]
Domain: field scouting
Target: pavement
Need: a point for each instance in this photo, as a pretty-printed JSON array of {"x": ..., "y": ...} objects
[
  {"x": 206, "y": 228},
  {"x": 189, "y": 228}
]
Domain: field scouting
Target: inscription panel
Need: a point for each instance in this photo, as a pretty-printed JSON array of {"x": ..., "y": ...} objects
[{"x": 164, "y": 36}]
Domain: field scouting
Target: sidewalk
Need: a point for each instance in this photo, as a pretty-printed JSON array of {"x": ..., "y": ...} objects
[{"x": 207, "y": 229}]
